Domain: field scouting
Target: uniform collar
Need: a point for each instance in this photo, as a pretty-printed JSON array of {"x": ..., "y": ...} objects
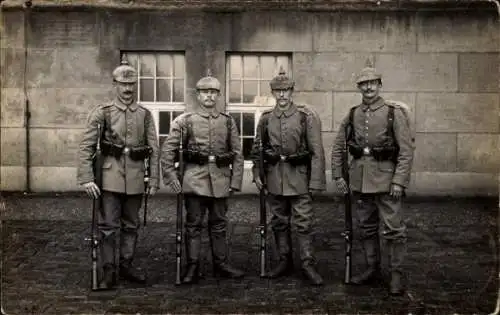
[
  {"x": 205, "y": 113},
  {"x": 133, "y": 107},
  {"x": 289, "y": 112},
  {"x": 373, "y": 106}
]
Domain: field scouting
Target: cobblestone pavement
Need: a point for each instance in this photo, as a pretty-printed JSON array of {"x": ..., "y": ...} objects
[{"x": 451, "y": 263}]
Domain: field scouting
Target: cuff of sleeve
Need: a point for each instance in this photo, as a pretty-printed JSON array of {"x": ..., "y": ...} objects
[
  {"x": 336, "y": 174},
  {"x": 85, "y": 180},
  {"x": 317, "y": 185},
  {"x": 399, "y": 181}
]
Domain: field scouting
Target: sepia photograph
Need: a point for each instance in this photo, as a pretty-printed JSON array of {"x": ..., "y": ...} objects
[{"x": 250, "y": 157}]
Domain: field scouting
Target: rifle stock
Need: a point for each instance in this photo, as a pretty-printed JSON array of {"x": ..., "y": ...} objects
[
  {"x": 263, "y": 217},
  {"x": 347, "y": 234},
  {"x": 180, "y": 200},
  {"x": 96, "y": 206}
]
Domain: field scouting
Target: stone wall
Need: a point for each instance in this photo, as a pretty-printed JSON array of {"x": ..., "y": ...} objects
[{"x": 444, "y": 64}]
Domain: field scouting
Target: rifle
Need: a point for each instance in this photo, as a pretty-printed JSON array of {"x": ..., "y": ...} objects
[
  {"x": 180, "y": 201},
  {"x": 97, "y": 205},
  {"x": 146, "y": 186},
  {"x": 262, "y": 197},
  {"x": 347, "y": 234}
]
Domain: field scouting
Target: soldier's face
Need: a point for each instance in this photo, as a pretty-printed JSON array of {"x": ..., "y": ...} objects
[
  {"x": 282, "y": 96},
  {"x": 370, "y": 89},
  {"x": 208, "y": 98},
  {"x": 126, "y": 91}
]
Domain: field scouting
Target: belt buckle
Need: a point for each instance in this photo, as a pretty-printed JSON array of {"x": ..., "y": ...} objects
[
  {"x": 211, "y": 158},
  {"x": 282, "y": 158},
  {"x": 366, "y": 151},
  {"x": 126, "y": 150}
]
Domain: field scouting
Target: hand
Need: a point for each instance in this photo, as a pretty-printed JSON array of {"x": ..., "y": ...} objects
[
  {"x": 152, "y": 190},
  {"x": 342, "y": 185},
  {"x": 258, "y": 183},
  {"x": 92, "y": 190},
  {"x": 175, "y": 186},
  {"x": 396, "y": 191}
]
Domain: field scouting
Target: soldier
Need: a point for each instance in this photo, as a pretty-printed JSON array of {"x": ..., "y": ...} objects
[
  {"x": 379, "y": 140},
  {"x": 295, "y": 167},
  {"x": 128, "y": 137},
  {"x": 213, "y": 171}
]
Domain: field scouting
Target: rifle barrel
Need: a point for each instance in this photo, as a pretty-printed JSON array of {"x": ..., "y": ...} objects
[{"x": 180, "y": 200}]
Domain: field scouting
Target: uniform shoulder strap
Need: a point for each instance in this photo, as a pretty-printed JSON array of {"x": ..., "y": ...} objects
[
  {"x": 264, "y": 117},
  {"x": 390, "y": 121},
  {"x": 350, "y": 123},
  {"x": 304, "y": 112},
  {"x": 228, "y": 131}
]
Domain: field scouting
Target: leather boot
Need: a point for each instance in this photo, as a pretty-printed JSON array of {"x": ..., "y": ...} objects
[
  {"x": 372, "y": 254},
  {"x": 228, "y": 271},
  {"x": 307, "y": 257},
  {"x": 397, "y": 250},
  {"x": 193, "y": 247},
  {"x": 132, "y": 273},
  {"x": 219, "y": 253},
  {"x": 285, "y": 265},
  {"x": 108, "y": 278}
]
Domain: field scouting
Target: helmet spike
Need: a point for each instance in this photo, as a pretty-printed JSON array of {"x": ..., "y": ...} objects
[
  {"x": 282, "y": 70},
  {"x": 124, "y": 60},
  {"x": 369, "y": 63}
]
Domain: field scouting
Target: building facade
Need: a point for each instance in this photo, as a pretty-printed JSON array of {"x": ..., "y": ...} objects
[{"x": 443, "y": 61}]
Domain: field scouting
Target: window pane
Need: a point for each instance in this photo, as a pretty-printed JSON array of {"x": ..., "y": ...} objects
[
  {"x": 247, "y": 148},
  {"x": 147, "y": 65},
  {"x": 147, "y": 90},
  {"x": 237, "y": 120},
  {"x": 249, "y": 91},
  {"x": 234, "y": 92},
  {"x": 265, "y": 88},
  {"x": 235, "y": 67},
  {"x": 132, "y": 59},
  {"x": 283, "y": 61},
  {"x": 163, "y": 65},
  {"x": 251, "y": 67},
  {"x": 248, "y": 124},
  {"x": 164, "y": 123},
  {"x": 179, "y": 66},
  {"x": 178, "y": 90},
  {"x": 163, "y": 90},
  {"x": 268, "y": 68}
]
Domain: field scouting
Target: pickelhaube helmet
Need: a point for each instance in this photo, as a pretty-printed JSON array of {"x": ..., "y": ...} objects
[
  {"x": 208, "y": 82},
  {"x": 368, "y": 73},
  {"x": 124, "y": 72},
  {"x": 281, "y": 81}
]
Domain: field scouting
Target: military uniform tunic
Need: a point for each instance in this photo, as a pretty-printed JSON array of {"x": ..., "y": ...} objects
[
  {"x": 208, "y": 133},
  {"x": 125, "y": 125},
  {"x": 285, "y": 132},
  {"x": 368, "y": 175}
]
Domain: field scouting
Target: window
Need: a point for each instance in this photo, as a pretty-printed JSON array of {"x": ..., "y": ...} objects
[
  {"x": 248, "y": 92},
  {"x": 161, "y": 85}
]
